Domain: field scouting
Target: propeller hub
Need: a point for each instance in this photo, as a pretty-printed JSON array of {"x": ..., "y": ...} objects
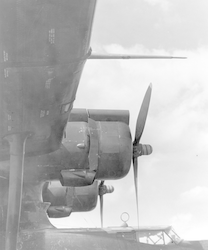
[
  {"x": 142, "y": 149},
  {"x": 103, "y": 189}
]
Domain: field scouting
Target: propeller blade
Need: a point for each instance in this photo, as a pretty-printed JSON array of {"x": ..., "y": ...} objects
[
  {"x": 142, "y": 115},
  {"x": 139, "y": 149},
  {"x": 135, "y": 165},
  {"x": 101, "y": 201},
  {"x": 101, "y": 210},
  {"x": 103, "y": 189}
]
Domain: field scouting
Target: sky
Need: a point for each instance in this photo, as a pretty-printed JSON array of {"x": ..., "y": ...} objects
[{"x": 173, "y": 186}]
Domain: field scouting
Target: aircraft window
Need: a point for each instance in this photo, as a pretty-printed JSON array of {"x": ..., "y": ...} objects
[
  {"x": 159, "y": 238},
  {"x": 146, "y": 240},
  {"x": 175, "y": 238},
  {"x": 168, "y": 239}
]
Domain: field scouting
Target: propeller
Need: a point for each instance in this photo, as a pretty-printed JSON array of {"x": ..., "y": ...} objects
[
  {"x": 103, "y": 189},
  {"x": 140, "y": 149}
]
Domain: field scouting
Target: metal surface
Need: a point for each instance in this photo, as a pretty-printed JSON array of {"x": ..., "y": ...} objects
[
  {"x": 78, "y": 199},
  {"x": 17, "y": 152},
  {"x": 112, "y": 56},
  {"x": 44, "y": 45},
  {"x": 96, "y": 239},
  {"x": 94, "y": 145},
  {"x": 43, "y": 48},
  {"x": 99, "y": 115}
]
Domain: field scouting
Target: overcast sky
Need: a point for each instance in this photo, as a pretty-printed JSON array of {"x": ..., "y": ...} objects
[{"x": 173, "y": 181}]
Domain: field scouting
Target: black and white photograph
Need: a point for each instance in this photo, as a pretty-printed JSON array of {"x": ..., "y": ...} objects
[{"x": 103, "y": 125}]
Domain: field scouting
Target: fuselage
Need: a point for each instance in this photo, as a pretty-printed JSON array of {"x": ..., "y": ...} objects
[{"x": 95, "y": 239}]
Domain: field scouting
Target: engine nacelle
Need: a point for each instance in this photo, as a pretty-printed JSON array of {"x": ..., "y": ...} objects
[
  {"x": 65, "y": 200},
  {"x": 97, "y": 149}
]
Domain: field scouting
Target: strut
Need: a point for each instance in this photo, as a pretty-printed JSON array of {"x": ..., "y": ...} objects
[{"x": 17, "y": 152}]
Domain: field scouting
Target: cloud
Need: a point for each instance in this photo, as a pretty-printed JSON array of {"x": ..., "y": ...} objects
[
  {"x": 182, "y": 223},
  {"x": 164, "y": 4},
  {"x": 196, "y": 194},
  {"x": 181, "y": 219},
  {"x": 189, "y": 227},
  {"x": 153, "y": 23},
  {"x": 191, "y": 213}
]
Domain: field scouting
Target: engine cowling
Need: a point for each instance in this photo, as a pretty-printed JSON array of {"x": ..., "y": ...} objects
[
  {"x": 65, "y": 200},
  {"x": 98, "y": 148}
]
